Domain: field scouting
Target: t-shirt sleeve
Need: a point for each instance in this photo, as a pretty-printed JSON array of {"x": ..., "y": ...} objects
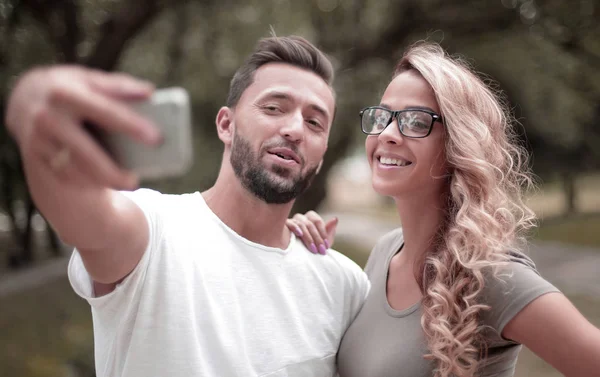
[
  {"x": 390, "y": 242},
  {"x": 363, "y": 287},
  {"x": 82, "y": 283},
  {"x": 516, "y": 285},
  {"x": 361, "y": 290},
  {"x": 356, "y": 289}
]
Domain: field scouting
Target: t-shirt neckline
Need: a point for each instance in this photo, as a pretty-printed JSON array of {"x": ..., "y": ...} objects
[
  {"x": 234, "y": 234},
  {"x": 396, "y": 249}
]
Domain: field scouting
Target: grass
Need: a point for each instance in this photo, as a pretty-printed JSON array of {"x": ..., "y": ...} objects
[
  {"x": 45, "y": 332},
  {"x": 583, "y": 230},
  {"x": 530, "y": 365}
]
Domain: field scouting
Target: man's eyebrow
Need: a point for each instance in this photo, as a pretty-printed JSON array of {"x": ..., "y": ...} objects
[
  {"x": 320, "y": 110},
  {"x": 278, "y": 95},
  {"x": 286, "y": 97}
]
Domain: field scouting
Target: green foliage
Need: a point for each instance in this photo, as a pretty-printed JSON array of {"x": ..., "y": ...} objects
[{"x": 545, "y": 57}]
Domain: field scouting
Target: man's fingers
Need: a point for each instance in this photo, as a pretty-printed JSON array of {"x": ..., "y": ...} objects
[
  {"x": 120, "y": 85},
  {"x": 88, "y": 154},
  {"x": 111, "y": 115}
]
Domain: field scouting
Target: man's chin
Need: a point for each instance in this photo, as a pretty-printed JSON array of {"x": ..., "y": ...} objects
[
  {"x": 282, "y": 175},
  {"x": 281, "y": 184},
  {"x": 280, "y": 171}
]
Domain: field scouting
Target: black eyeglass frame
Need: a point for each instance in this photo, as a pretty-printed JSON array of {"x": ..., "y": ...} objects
[{"x": 434, "y": 118}]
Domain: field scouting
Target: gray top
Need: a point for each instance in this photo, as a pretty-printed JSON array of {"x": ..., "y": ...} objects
[{"x": 383, "y": 342}]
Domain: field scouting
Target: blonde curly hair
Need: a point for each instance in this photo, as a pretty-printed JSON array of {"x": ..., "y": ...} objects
[{"x": 486, "y": 216}]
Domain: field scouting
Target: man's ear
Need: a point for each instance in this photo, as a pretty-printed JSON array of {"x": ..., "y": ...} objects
[
  {"x": 225, "y": 126},
  {"x": 319, "y": 167}
]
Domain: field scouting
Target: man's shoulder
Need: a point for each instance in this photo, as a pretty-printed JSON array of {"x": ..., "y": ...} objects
[
  {"x": 347, "y": 279},
  {"x": 150, "y": 198},
  {"x": 146, "y": 192},
  {"x": 343, "y": 271},
  {"x": 343, "y": 261},
  {"x": 332, "y": 263}
]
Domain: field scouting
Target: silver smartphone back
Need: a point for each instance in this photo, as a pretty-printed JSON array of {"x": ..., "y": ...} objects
[{"x": 169, "y": 110}]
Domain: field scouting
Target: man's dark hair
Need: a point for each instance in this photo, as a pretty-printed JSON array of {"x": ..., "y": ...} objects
[{"x": 292, "y": 50}]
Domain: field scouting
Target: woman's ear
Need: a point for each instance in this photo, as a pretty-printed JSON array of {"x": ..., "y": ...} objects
[{"x": 225, "y": 126}]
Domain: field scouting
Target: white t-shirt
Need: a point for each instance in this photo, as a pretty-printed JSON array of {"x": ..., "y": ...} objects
[{"x": 203, "y": 301}]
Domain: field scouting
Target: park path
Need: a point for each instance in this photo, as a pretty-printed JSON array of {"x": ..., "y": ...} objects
[{"x": 573, "y": 269}]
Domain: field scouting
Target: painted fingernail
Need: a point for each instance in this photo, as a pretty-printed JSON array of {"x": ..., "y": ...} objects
[
  {"x": 322, "y": 249},
  {"x": 299, "y": 232},
  {"x": 327, "y": 244},
  {"x": 313, "y": 248}
]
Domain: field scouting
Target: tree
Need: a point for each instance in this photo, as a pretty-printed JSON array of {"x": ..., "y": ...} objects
[
  {"x": 61, "y": 23},
  {"x": 199, "y": 44}
]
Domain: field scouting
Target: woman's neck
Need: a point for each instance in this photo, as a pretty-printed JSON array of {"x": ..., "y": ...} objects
[{"x": 421, "y": 222}]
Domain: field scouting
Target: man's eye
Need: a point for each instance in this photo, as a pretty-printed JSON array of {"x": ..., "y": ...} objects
[
  {"x": 271, "y": 108},
  {"x": 315, "y": 123}
]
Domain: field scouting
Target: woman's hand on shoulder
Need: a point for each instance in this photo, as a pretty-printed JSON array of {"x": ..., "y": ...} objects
[{"x": 316, "y": 234}]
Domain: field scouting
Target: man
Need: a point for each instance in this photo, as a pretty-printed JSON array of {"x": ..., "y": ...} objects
[{"x": 209, "y": 284}]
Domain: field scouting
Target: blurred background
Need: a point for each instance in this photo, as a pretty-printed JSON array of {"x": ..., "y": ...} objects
[{"x": 544, "y": 55}]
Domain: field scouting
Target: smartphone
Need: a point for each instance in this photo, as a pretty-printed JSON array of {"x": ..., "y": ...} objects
[{"x": 169, "y": 110}]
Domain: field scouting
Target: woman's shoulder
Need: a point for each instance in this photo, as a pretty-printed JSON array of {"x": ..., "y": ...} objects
[
  {"x": 518, "y": 273},
  {"x": 514, "y": 284},
  {"x": 387, "y": 244},
  {"x": 391, "y": 238}
]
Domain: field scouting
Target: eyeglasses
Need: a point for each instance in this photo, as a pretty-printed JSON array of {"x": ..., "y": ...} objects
[{"x": 415, "y": 123}]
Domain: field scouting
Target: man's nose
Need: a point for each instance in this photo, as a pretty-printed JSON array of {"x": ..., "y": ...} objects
[{"x": 293, "y": 127}]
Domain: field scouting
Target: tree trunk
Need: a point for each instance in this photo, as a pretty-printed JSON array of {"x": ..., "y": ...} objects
[{"x": 568, "y": 179}]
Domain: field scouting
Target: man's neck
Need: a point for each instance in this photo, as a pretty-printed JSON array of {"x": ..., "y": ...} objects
[{"x": 247, "y": 215}]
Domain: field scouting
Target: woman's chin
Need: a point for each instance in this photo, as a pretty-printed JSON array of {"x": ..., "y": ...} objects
[{"x": 388, "y": 189}]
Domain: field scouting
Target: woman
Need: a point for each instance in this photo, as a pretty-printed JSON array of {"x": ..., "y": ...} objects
[{"x": 451, "y": 293}]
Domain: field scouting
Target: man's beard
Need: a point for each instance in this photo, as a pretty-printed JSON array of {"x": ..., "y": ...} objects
[{"x": 256, "y": 178}]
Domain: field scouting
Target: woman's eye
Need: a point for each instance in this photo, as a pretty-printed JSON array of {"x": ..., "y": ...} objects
[{"x": 418, "y": 125}]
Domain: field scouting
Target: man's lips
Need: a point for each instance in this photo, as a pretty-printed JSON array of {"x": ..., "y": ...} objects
[{"x": 285, "y": 153}]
